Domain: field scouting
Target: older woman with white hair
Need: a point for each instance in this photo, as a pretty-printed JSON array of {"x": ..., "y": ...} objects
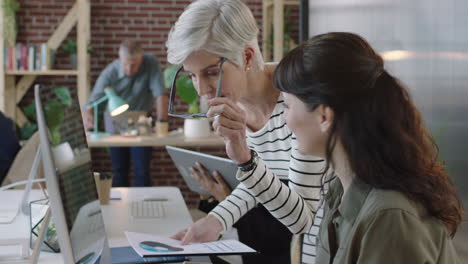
[{"x": 214, "y": 37}]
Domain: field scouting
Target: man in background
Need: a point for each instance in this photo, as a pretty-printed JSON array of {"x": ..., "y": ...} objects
[{"x": 136, "y": 77}]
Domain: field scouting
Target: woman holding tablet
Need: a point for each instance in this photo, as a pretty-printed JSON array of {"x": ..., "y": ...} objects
[
  {"x": 391, "y": 191},
  {"x": 214, "y": 38}
]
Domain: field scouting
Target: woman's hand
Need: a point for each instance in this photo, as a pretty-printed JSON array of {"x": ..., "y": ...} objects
[
  {"x": 206, "y": 229},
  {"x": 217, "y": 187},
  {"x": 230, "y": 123}
]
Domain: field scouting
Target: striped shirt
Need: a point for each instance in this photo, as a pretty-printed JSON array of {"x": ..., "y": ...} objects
[{"x": 295, "y": 204}]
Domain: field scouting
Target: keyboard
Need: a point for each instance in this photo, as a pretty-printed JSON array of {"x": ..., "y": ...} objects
[{"x": 147, "y": 209}]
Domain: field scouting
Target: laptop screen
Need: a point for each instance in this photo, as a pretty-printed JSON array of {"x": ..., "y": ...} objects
[{"x": 75, "y": 178}]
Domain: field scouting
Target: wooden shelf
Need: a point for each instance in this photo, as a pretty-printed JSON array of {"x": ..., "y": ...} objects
[
  {"x": 49, "y": 72},
  {"x": 13, "y": 89},
  {"x": 273, "y": 22}
]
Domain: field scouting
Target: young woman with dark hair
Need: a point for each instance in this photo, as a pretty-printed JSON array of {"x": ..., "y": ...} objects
[{"x": 392, "y": 201}]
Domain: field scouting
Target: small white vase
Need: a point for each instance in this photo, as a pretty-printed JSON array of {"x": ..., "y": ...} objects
[
  {"x": 63, "y": 155},
  {"x": 196, "y": 128}
]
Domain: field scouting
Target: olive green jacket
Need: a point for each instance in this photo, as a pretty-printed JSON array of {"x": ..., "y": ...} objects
[{"x": 380, "y": 226}]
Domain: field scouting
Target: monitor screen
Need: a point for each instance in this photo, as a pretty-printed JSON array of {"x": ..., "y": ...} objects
[{"x": 74, "y": 176}]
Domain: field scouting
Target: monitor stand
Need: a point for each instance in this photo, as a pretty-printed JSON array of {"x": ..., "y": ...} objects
[
  {"x": 8, "y": 216},
  {"x": 23, "y": 208},
  {"x": 40, "y": 238}
]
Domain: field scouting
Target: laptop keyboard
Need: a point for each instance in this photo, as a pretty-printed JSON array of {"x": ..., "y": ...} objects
[{"x": 147, "y": 209}]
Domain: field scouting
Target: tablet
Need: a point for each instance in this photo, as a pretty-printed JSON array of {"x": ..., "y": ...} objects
[{"x": 184, "y": 159}]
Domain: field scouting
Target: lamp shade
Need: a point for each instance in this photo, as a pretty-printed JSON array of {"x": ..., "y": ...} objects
[{"x": 116, "y": 105}]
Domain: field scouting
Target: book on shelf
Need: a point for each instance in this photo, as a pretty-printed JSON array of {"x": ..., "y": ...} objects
[
  {"x": 11, "y": 58},
  {"x": 24, "y": 57},
  {"x": 18, "y": 56},
  {"x": 28, "y": 57},
  {"x": 45, "y": 57},
  {"x": 31, "y": 57},
  {"x": 5, "y": 58},
  {"x": 37, "y": 63}
]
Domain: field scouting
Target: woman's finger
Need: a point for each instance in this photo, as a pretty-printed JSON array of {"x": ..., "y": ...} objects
[
  {"x": 219, "y": 178},
  {"x": 188, "y": 238},
  {"x": 224, "y": 110},
  {"x": 202, "y": 171},
  {"x": 225, "y": 106},
  {"x": 197, "y": 176},
  {"x": 228, "y": 123},
  {"x": 224, "y": 100},
  {"x": 179, "y": 235}
]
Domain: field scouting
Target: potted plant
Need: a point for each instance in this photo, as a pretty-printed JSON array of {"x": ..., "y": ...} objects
[
  {"x": 54, "y": 111},
  {"x": 70, "y": 47},
  {"x": 197, "y": 127}
]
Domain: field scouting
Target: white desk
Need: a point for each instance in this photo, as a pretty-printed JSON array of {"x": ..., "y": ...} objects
[
  {"x": 176, "y": 217},
  {"x": 154, "y": 141}
]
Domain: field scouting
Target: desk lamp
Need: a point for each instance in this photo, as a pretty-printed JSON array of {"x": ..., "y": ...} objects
[{"x": 116, "y": 106}]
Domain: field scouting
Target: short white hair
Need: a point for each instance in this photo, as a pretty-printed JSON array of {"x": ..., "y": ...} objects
[{"x": 219, "y": 27}]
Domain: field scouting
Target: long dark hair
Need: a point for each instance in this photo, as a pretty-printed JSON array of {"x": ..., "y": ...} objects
[{"x": 382, "y": 132}]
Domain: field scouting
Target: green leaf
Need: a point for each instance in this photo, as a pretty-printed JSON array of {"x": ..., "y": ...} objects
[
  {"x": 54, "y": 113},
  {"x": 169, "y": 74},
  {"x": 27, "y": 130},
  {"x": 193, "y": 108},
  {"x": 69, "y": 46},
  {"x": 63, "y": 93},
  {"x": 55, "y": 136},
  {"x": 30, "y": 112},
  {"x": 90, "y": 49},
  {"x": 185, "y": 90},
  {"x": 10, "y": 7}
]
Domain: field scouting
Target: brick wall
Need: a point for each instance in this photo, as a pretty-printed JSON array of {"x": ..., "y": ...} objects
[{"x": 112, "y": 21}]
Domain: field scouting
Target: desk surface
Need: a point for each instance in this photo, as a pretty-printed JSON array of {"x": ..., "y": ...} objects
[
  {"x": 116, "y": 218},
  {"x": 154, "y": 141}
]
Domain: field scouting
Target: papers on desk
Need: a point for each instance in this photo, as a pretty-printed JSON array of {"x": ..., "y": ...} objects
[
  {"x": 152, "y": 245},
  {"x": 115, "y": 194},
  {"x": 7, "y": 215}
]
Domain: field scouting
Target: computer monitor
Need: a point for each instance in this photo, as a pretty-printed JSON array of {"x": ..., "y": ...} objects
[
  {"x": 73, "y": 197},
  {"x": 75, "y": 207}
]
